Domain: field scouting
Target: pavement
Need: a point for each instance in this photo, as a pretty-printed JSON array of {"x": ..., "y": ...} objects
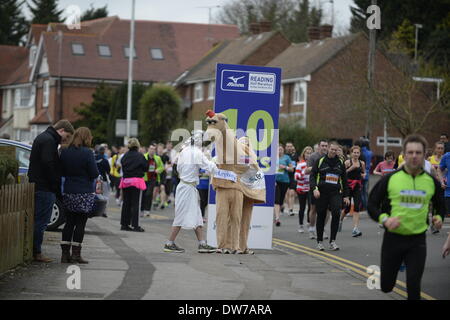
[{"x": 132, "y": 266}]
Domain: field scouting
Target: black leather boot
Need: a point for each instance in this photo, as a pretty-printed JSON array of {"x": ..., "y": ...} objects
[
  {"x": 76, "y": 255},
  {"x": 65, "y": 256}
]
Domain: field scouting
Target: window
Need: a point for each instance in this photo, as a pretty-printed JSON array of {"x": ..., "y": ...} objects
[
  {"x": 299, "y": 92},
  {"x": 127, "y": 52},
  {"x": 211, "y": 90},
  {"x": 156, "y": 54},
  {"x": 77, "y": 49},
  {"x": 25, "y": 96},
  {"x": 281, "y": 95},
  {"x": 104, "y": 51},
  {"x": 45, "y": 93},
  {"x": 198, "y": 92}
]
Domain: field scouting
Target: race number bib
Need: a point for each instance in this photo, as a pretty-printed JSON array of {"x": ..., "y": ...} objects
[
  {"x": 412, "y": 199},
  {"x": 151, "y": 168},
  {"x": 331, "y": 178},
  {"x": 226, "y": 175}
]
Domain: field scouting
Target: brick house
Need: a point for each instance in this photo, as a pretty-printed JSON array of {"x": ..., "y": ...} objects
[
  {"x": 60, "y": 68},
  {"x": 196, "y": 86},
  {"x": 323, "y": 87}
]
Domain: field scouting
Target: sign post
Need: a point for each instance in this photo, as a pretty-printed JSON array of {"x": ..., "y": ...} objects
[{"x": 250, "y": 98}]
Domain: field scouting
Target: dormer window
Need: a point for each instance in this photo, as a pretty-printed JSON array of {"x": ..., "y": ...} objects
[{"x": 77, "y": 49}]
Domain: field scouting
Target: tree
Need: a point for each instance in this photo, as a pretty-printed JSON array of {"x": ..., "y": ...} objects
[
  {"x": 159, "y": 113},
  {"x": 403, "y": 39},
  {"x": 95, "y": 115},
  {"x": 91, "y": 14},
  {"x": 45, "y": 11},
  {"x": 291, "y": 17},
  {"x": 13, "y": 25}
]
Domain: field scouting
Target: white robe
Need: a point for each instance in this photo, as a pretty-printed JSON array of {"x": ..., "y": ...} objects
[{"x": 187, "y": 200}]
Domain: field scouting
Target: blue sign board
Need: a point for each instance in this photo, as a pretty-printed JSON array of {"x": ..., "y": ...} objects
[{"x": 250, "y": 98}]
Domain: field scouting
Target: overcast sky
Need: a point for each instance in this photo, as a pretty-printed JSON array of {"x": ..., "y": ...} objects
[{"x": 191, "y": 10}]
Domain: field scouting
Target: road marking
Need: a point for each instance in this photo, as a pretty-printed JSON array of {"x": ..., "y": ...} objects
[{"x": 344, "y": 262}]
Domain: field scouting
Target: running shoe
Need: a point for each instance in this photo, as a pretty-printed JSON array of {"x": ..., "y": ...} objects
[
  {"x": 172, "y": 248},
  {"x": 205, "y": 248},
  {"x": 320, "y": 246},
  {"x": 277, "y": 222},
  {"x": 312, "y": 234},
  {"x": 301, "y": 230},
  {"x": 291, "y": 213},
  {"x": 333, "y": 246},
  {"x": 356, "y": 233},
  {"x": 325, "y": 236},
  {"x": 433, "y": 230}
]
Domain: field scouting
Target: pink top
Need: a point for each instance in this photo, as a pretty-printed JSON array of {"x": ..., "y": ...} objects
[
  {"x": 132, "y": 182},
  {"x": 384, "y": 167}
]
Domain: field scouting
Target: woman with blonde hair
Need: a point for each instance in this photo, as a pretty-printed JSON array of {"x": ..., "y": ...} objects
[
  {"x": 134, "y": 166},
  {"x": 80, "y": 171}
]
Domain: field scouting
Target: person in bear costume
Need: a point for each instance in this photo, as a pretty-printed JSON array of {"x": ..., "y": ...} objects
[{"x": 234, "y": 186}]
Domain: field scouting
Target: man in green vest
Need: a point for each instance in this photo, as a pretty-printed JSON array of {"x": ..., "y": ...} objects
[
  {"x": 151, "y": 177},
  {"x": 400, "y": 202}
]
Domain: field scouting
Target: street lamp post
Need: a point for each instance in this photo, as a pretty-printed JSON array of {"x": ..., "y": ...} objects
[
  {"x": 418, "y": 26},
  {"x": 130, "y": 74}
]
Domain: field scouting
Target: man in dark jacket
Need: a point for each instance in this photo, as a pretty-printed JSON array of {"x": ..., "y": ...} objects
[
  {"x": 103, "y": 169},
  {"x": 45, "y": 172}
]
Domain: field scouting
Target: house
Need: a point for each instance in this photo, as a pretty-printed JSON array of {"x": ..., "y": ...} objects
[
  {"x": 60, "y": 68},
  {"x": 324, "y": 83},
  {"x": 196, "y": 86}
]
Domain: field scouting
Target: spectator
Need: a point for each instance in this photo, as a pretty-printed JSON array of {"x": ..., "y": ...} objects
[
  {"x": 45, "y": 172},
  {"x": 134, "y": 166},
  {"x": 444, "y": 139},
  {"x": 103, "y": 169},
  {"x": 80, "y": 171}
]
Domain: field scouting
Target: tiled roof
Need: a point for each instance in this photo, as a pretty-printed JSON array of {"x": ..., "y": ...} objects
[
  {"x": 13, "y": 64},
  {"x": 230, "y": 52},
  {"x": 302, "y": 59},
  {"x": 182, "y": 44}
]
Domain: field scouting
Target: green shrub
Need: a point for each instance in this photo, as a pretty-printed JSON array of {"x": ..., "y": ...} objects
[
  {"x": 8, "y": 166},
  {"x": 291, "y": 131}
]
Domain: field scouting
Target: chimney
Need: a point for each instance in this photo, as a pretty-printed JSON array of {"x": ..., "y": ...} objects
[
  {"x": 326, "y": 31},
  {"x": 313, "y": 33},
  {"x": 265, "y": 26},
  {"x": 254, "y": 28}
]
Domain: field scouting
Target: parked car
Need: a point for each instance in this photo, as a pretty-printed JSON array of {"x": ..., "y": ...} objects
[{"x": 23, "y": 151}]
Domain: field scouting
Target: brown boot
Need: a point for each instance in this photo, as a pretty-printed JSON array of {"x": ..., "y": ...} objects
[
  {"x": 76, "y": 255},
  {"x": 38, "y": 257},
  {"x": 65, "y": 256}
]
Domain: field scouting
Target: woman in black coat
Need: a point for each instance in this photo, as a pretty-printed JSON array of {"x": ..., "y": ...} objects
[
  {"x": 134, "y": 166},
  {"x": 80, "y": 171}
]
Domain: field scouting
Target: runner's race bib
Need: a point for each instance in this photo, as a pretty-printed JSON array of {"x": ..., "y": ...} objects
[
  {"x": 226, "y": 175},
  {"x": 151, "y": 168},
  {"x": 412, "y": 199},
  {"x": 331, "y": 178}
]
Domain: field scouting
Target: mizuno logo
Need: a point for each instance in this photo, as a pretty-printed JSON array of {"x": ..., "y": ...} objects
[{"x": 235, "y": 80}]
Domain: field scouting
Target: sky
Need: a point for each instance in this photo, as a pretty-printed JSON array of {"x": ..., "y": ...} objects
[{"x": 196, "y": 11}]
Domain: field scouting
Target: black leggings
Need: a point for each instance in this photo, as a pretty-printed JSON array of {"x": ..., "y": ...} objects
[
  {"x": 356, "y": 195},
  {"x": 396, "y": 249},
  {"x": 203, "y": 200},
  {"x": 74, "y": 228},
  {"x": 280, "y": 192},
  {"x": 130, "y": 207},
  {"x": 302, "y": 200},
  {"x": 147, "y": 195},
  {"x": 334, "y": 203}
]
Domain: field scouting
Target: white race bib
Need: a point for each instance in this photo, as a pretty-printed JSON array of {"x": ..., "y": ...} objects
[
  {"x": 412, "y": 199},
  {"x": 226, "y": 175},
  {"x": 331, "y": 178}
]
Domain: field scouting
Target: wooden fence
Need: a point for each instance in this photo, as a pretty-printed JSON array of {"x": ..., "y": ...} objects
[{"x": 16, "y": 225}]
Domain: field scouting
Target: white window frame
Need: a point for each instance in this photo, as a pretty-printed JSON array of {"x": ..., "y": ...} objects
[
  {"x": 156, "y": 54},
  {"x": 297, "y": 99},
  {"x": 281, "y": 95},
  {"x": 211, "y": 90},
  {"x": 198, "y": 92},
  {"x": 45, "y": 93}
]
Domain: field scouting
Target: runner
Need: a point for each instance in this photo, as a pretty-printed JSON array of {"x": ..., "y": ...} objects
[
  {"x": 400, "y": 202},
  {"x": 328, "y": 181},
  {"x": 444, "y": 178},
  {"x": 438, "y": 152},
  {"x": 356, "y": 171},
  {"x": 322, "y": 150},
  {"x": 302, "y": 179},
  {"x": 151, "y": 179},
  {"x": 290, "y": 195},
  {"x": 281, "y": 181},
  {"x": 386, "y": 166}
]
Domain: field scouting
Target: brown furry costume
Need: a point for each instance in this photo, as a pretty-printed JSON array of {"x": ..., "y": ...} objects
[{"x": 232, "y": 198}]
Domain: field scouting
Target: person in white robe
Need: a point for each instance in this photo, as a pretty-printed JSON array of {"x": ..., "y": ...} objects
[{"x": 187, "y": 207}]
